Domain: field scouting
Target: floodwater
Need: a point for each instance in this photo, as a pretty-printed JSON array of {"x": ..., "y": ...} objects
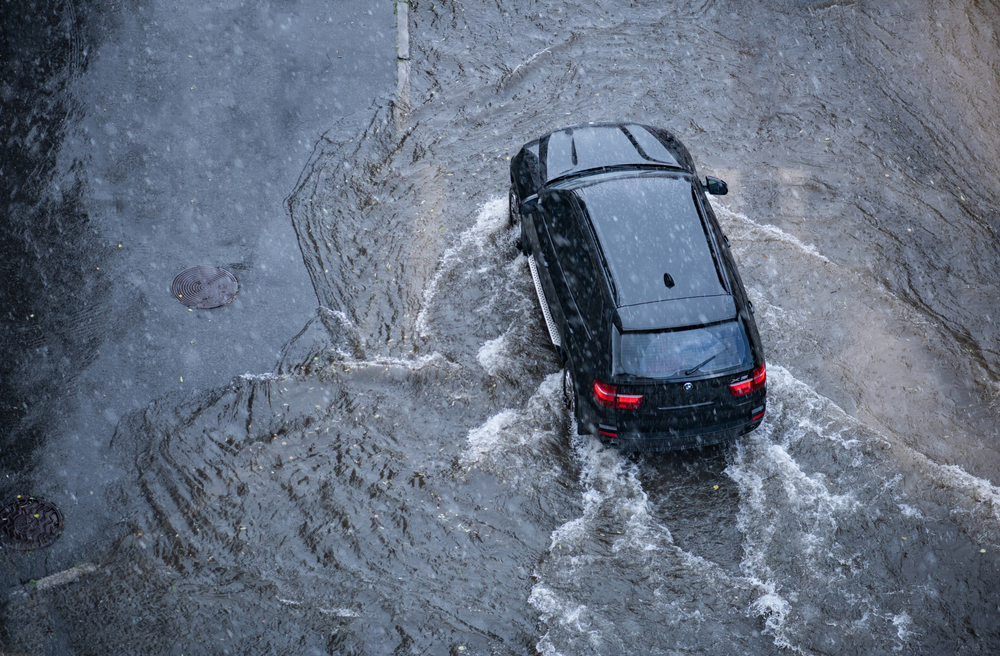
[{"x": 405, "y": 479}]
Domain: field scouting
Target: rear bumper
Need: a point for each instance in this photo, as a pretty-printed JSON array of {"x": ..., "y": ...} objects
[{"x": 673, "y": 440}]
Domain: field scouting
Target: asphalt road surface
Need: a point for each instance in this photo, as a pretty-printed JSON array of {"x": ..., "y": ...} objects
[{"x": 141, "y": 140}]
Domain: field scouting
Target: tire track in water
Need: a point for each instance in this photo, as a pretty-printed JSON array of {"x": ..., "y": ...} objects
[
  {"x": 831, "y": 529},
  {"x": 614, "y": 581},
  {"x": 364, "y": 241}
]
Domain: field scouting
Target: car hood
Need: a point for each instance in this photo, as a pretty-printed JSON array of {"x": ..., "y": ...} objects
[{"x": 677, "y": 313}]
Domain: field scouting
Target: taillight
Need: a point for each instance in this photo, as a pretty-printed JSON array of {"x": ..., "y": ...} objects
[
  {"x": 757, "y": 379},
  {"x": 608, "y": 396}
]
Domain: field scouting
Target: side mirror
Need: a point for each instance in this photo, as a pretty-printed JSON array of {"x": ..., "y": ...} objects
[
  {"x": 529, "y": 205},
  {"x": 715, "y": 186}
]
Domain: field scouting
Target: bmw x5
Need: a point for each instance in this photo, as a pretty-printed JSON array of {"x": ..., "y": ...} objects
[{"x": 638, "y": 286}]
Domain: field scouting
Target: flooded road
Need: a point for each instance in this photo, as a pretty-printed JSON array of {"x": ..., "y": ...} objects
[
  {"x": 141, "y": 141},
  {"x": 406, "y": 480}
]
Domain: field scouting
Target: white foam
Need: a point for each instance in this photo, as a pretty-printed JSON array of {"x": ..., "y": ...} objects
[
  {"x": 414, "y": 364},
  {"x": 772, "y": 311},
  {"x": 552, "y": 608},
  {"x": 615, "y": 506},
  {"x": 611, "y": 487},
  {"x": 803, "y": 491},
  {"x": 339, "y": 315},
  {"x": 509, "y": 429},
  {"x": 528, "y": 61},
  {"x": 264, "y": 376},
  {"x": 568, "y": 613},
  {"x": 489, "y": 436},
  {"x": 902, "y": 622},
  {"x": 492, "y": 218},
  {"x": 782, "y": 504},
  {"x": 774, "y": 609},
  {"x": 826, "y": 419},
  {"x": 771, "y": 231},
  {"x": 982, "y": 518},
  {"x": 612, "y": 493},
  {"x": 796, "y": 556},
  {"x": 492, "y": 354},
  {"x": 340, "y": 612},
  {"x": 977, "y": 488},
  {"x": 777, "y": 493}
]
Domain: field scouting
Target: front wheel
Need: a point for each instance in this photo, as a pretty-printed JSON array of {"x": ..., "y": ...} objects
[
  {"x": 514, "y": 217},
  {"x": 512, "y": 209}
]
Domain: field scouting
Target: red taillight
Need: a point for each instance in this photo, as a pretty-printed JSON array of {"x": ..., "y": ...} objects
[
  {"x": 605, "y": 394},
  {"x": 755, "y": 382},
  {"x": 629, "y": 401},
  {"x": 608, "y": 396}
]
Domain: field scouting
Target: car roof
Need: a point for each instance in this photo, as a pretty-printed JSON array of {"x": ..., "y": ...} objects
[
  {"x": 651, "y": 233},
  {"x": 595, "y": 146}
]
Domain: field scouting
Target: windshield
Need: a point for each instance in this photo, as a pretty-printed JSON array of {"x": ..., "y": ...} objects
[{"x": 680, "y": 353}]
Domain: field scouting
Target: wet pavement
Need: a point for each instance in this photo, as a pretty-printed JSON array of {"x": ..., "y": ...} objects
[
  {"x": 141, "y": 141},
  {"x": 405, "y": 479}
]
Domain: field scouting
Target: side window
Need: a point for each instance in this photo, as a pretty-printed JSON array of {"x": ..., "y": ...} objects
[
  {"x": 711, "y": 224},
  {"x": 574, "y": 251},
  {"x": 526, "y": 171},
  {"x": 727, "y": 254},
  {"x": 590, "y": 295}
]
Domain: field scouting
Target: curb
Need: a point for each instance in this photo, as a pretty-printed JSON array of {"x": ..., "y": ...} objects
[
  {"x": 402, "y": 108},
  {"x": 403, "y": 30}
]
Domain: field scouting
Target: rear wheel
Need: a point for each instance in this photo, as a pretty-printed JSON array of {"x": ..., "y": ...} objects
[{"x": 569, "y": 390}]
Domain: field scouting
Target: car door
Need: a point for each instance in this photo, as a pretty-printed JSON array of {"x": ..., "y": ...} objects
[
  {"x": 541, "y": 249},
  {"x": 568, "y": 262}
]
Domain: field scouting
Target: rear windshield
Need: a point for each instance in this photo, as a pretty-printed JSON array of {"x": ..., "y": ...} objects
[{"x": 677, "y": 353}]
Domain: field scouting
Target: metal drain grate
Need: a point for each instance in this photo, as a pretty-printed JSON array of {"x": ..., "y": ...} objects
[
  {"x": 29, "y": 523},
  {"x": 204, "y": 287}
]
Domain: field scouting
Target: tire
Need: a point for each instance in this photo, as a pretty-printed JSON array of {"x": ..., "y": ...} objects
[
  {"x": 569, "y": 390},
  {"x": 512, "y": 214},
  {"x": 514, "y": 218}
]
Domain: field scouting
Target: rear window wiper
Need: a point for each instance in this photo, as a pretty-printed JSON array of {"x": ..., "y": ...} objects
[{"x": 701, "y": 364}]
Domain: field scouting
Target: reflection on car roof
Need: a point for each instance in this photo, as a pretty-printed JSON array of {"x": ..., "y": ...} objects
[{"x": 649, "y": 226}]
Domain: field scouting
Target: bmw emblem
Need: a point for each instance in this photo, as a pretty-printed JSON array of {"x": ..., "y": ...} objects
[{"x": 687, "y": 387}]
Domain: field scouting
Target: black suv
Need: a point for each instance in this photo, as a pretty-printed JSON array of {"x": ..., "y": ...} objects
[{"x": 638, "y": 287}]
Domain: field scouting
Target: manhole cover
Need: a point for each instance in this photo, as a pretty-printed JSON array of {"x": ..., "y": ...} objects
[
  {"x": 30, "y": 523},
  {"x": 204, "y": 287}
]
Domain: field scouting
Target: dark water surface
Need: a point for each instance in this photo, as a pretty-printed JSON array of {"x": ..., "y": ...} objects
[{"x": 405, "y": 480}]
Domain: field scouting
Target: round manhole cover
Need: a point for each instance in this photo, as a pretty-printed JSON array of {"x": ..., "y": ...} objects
[
  {"x": 30, "y": 523},
  {"x": 204, "y": 287}
]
